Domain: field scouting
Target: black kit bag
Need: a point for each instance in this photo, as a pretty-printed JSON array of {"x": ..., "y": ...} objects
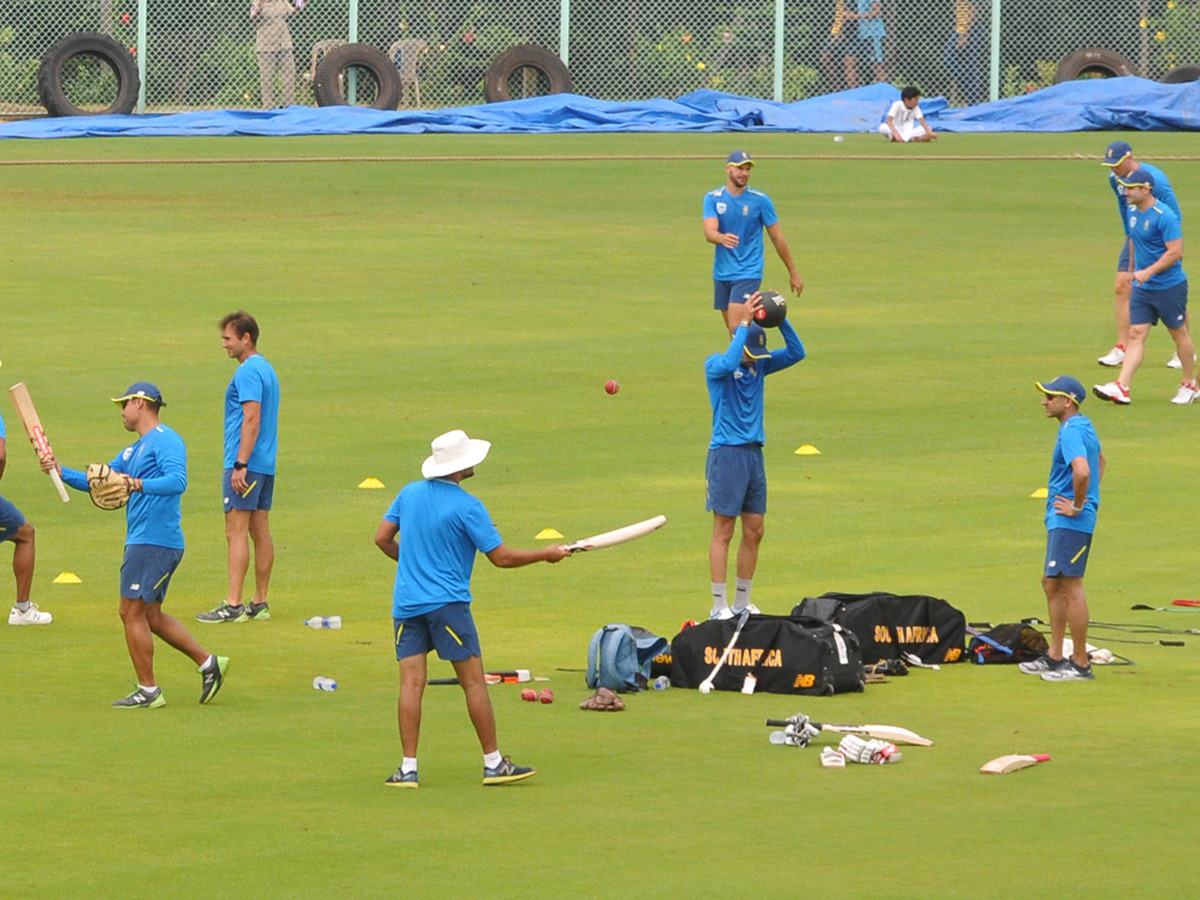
[
  {"x": 888, "y": 625},
  {"x": 1014, "y": 643},
  {"x": 786, "y": 654}
]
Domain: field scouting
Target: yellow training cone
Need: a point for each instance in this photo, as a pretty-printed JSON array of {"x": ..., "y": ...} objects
[
  {"x": 68, "y": 578},
  {"x": 370, "y": 484},
  {"x": 548, "y": 534},
  {"x": 1040, "y": 494},
  {"x": 808, "y": 450}
]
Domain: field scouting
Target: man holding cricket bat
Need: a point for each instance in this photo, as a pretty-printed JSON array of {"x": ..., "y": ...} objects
[
  {"x": 737, "y": 480},
  {"x": 148, "y": 478},
  {"x": 248, "y": 483},
  {"x": 13, "y": 527},
  {"x": 433, "y": 529}
]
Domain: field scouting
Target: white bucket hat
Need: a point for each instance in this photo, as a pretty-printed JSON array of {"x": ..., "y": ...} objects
[{"x": 453, "y": 452}]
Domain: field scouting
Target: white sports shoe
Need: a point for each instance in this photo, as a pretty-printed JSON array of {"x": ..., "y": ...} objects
[
  {"x": 720, "y": 614},
  {"x": 753, "y": 610},
  {"x": 1112, "y": 391},
  {"x": 1174, "y": 363},
  {"x": 31, "y": 616},
  {"x": 1113, "y": 357},
  {"x": 1188, "y": 393}
]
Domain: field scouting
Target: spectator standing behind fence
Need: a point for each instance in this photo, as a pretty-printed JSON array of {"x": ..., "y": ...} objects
[
  {"x": 963, "y": 52},
  {"x": 273, "y": 47},
  {"x": 838, "y": 42},
  {"x": 870, "y": 41}
]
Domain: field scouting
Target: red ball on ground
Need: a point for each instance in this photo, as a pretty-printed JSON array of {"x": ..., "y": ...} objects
[
  {"x": 546, "y": 696},
  {"x": 611, "y": 386},
  {"x": 529, "y": 694}
]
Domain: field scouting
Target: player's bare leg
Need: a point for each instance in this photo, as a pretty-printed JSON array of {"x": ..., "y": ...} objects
[
  {"x": 264, "y": 553},
  {"x": 718, "y": 548},
  {"x": 174, "y": 633},
  {"x": 1186, "y": 349},
  {"x": 139, "y": 639},
  {"x": 734, "y": 314},
  {"x": 23, "y": 560},
  {"x": 479, "y": 704},
  {"x": 1121, "y": 290},
  {"x": 413, "y": 675},
  {"x": 1135, "y": 350},
  {"x": 752, "y": 535},
  {"x": 237, "y": 534}
]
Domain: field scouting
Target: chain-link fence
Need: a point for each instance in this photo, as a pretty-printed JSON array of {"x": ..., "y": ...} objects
[{"x": 203, "y": 54}]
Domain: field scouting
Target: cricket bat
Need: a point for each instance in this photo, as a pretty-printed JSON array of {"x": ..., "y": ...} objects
[
  {"x": 893, "y": 733},
  {"x": 37, "y": 436},
  {"x": 512, "y": 676},
  {"x": 1189, "y": 603},
  {"x": 617, "y": 535},
  {"x": 1002, "y": 765}
]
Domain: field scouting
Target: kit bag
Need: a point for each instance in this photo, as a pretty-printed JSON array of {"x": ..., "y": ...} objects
[
  {"x": 785, "y": 654},
  {"x": 619, "y": 657},
  {"x": 888, "y": 625}
]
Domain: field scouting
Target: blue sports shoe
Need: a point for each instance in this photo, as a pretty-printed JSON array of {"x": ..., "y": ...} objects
[
  {"x": 507, "y": 772},
  {"x": 402, "y": 779}
]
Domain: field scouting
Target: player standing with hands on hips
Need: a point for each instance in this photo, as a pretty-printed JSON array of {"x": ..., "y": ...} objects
[
  {"x": 433, "y": 529},
  {"x": 737, "y": 480},
  {"x": 151, "y": 476},
  {"x": 734, "y": 218},
  {"x": 1072, "y": 501},
  {"x": 13, "y": 527},
  {"x": 248, "y": 484},
  {"x": 1159, "y": 291}
]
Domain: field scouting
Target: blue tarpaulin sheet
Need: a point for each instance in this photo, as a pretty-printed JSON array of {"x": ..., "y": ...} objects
[{"x": 1089, "y": 105}]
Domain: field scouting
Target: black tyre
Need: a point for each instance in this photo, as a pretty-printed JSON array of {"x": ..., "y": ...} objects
[
  {"x": 87, "y": 74},
  {"x": 379, "y": 89},
  {"x": 1181, "y": 74},
  {"x": 523, "y": 71},
  {"x": 1093, "y": 62}
]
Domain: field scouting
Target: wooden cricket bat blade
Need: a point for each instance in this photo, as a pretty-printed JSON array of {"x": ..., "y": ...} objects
[
  {"x": 37, "y": 435},
  {"x": 618, "y": 535},
  {"x": 1192, "y": 603},
  {"x": 1002, "y": 765},
  {"x": 893, "y": 733}
]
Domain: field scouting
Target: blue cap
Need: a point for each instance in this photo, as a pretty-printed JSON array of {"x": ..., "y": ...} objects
[
  {"x": 1116, "y": 152},
  {"x": 739, "y": 158},
  {"x": 1137, "y": 178},
  {"x": 756, "y": 342},
  {"x": 1063, "y": 386},
  {"x": 143, "y": 389}
]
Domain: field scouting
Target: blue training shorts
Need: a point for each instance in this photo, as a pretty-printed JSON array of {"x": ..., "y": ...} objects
[
  {"x": 259, "y": 494},
  {"x": 726, "y": 292},
  {"x": 1123, "y": 260},
  {"x": 10, "y": 520},
  {"x": 1149, "y": 307},
  {"x": 1067, "y": 552},
  {"x": 146, "y": 571},
  {"x": 737, "y": 480},
  {"x": 450, "y": 630}
]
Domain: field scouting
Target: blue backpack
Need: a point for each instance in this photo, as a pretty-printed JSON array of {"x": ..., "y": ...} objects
[{"x": 619, "y": 657}]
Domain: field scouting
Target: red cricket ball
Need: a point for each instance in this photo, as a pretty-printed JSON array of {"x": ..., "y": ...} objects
[{"x": 611, "y": 386}]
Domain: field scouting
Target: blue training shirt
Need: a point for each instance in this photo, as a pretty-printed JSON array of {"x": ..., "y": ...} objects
[
  {"x": 441, "y": 527},
  {"x": 1, "y": 426},
  {"x": 736, "y": 391},
  {"x": 746, "y": 215},
  {"x": 1150, "y": 231},
  {"x": 254, "y": 380},
  {"x": 1076, "y": 438},
  {"x": 152, "y": 516},
  {"x": 870, "y": 28},
  {"x": 1162, "y": 193}
]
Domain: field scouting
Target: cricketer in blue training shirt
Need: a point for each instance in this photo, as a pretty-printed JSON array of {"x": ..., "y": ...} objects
[
  {"x": 157, "y": 466},
  {"x": 734, "y": 218},
  {"x": 1072, "y": 502},
  {"x": 432, "y": 530},
  {"x": 735, "y": 475},
  {"x": 13, "y": 527}
]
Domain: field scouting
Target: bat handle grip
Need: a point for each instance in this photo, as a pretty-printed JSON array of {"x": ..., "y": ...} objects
[
  {"x": 777, "y": 723},
  {"x": 59, "y": 486}
]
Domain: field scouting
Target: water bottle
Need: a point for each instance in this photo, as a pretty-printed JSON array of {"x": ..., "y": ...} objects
[
  {"x": 324, "y": 622},
  {"x": 324, "y": 684},
  {"x": 661, "y": 683}
]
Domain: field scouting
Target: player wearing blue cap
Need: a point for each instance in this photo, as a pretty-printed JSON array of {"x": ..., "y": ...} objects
[
  {"x": 737, "y": 480},
  {"x": 156, "y": 464},
  {"x": 1119, "y": 159},
  {"x": 1159, "y": 290},
  {"x": 248, "y": 480},
  {"x": 734, "y": 218},
  {"x": 1072, "y": 501},
  {"x": 13, "y": 527}
]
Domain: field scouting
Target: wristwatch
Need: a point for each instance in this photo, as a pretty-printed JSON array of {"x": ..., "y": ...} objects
[{"x": 238, "y": 466}]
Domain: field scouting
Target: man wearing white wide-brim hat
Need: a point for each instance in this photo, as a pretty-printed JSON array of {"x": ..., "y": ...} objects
[{"x": 433, "y": 529}]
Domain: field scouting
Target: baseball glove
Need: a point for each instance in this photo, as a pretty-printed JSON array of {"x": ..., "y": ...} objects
[{"x": 108, "y": 489}]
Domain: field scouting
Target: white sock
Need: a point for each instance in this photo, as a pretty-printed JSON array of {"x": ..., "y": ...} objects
[
  {"x": 208, "y": 662},
  {"x": 408, "y": 764},
  {"x": 23, "y": 606},
  {"x": 741, "y": 594},
  {"x": 152, "y": 689},
  {"x": 720, "y": 600},
  {"x": 493, "y": 759}
]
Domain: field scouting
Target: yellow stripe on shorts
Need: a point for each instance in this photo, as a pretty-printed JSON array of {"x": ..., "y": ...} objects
[
  {"x": 1082, "y": 550},
  {"x": 450, "y": 632},
  {"x": 161, "y": 580},
  {"x": 399, "y": 628}
]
